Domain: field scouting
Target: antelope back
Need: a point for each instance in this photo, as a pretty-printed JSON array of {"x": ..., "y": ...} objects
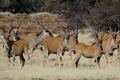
[
  {"x": 66, "y": 40},
  {"x": 117, "y": 39},
  {"x": 44, "y": 34},
  {"x": 108, "y": 42}
]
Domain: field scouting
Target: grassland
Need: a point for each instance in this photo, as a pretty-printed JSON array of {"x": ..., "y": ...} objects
[{"x": 38, "y": 72}]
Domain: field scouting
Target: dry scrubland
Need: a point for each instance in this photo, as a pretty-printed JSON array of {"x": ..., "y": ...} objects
[
  {"x": 38, "y": 72},
  {"x": 29, "y": 24}
]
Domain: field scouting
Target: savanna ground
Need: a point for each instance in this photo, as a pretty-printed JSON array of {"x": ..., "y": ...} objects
[{"x": 38, "y": 72}]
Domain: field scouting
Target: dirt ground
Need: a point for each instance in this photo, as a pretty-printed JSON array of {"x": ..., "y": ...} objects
[{"x": 38, "y": 72}]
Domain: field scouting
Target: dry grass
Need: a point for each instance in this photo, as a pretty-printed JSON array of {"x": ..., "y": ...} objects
[
  {"x": 6, "y": 13},
  {"x": 43, "y": 14},
  {"x": 38, "y": 72}
]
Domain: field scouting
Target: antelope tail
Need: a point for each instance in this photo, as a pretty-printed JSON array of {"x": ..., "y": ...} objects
[
  {"x": 22, "y": 60},
  {"x": 41, "y": 48},
  {"x": 74, "y": 52}
]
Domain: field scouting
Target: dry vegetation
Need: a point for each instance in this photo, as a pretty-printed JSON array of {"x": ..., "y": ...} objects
[
  {"x": 29, "y": 21},
  {"x": 101, "y": 15},
  {"x": 38, "y": 72}
]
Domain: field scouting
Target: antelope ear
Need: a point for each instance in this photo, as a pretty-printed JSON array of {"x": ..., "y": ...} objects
[
  {"x": 71, "y": 32},
  {"x": 109, "y": 32},
  {"x": 19, "y": 25}
]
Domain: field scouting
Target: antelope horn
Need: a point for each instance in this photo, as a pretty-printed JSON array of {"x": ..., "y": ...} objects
[
  {"x": 41, "y": 25},
  {"x": 110, "y": 30},
  {"x": 63, "y": 28},
  {"x": 118, "y": 31},
  {"x": 19, "y": 25},
  {"x": 11, "y": 27}
]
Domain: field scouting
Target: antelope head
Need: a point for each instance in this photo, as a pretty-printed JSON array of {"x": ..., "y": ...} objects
[
  {"x": 16, "y": 30},
  {"x": 7, "y": 41},
  {"x": 99, "y": 41},
  {"x": 66, "y": 37},
  {"x": 75, "y": 34},
  {"x": 45, "y": 31}
]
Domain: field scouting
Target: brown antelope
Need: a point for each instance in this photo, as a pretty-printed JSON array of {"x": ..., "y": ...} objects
[
  {"x": 73, "y": 39},
  {"x": 88, "y": 51},
  {"x": 116, "y": 37},
  {"x": 55, "y": 45},
  {"x": 108, "y": 45},
  {"x": 117, "y": 44},
  {"x": 11, "y": 34},
  {"x": 15, "y": 48},
  {"x": 118, "y": 55}
]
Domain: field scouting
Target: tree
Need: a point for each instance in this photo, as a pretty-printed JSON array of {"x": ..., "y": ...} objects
[{"x": 4, "y": 4}]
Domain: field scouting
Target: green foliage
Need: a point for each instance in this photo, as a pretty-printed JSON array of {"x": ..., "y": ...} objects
[{"x": 27, "y": 6}]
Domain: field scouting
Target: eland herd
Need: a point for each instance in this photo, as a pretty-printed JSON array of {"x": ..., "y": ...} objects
[{"x": 16, "y": 44}]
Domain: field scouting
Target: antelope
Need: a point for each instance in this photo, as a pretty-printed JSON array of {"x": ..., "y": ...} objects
[
  {"x": 88, "y": 51},
  {"x": 108, "y": 45},
  {"x": 55, "y": 45},
  {"x": 118, "y": 55},
  {"x": 11, "y": 34},
  {"x": 32, "y": 39},
  {"x": 117, "y": 44},
  {"x": 117, "y": 38},
  {"x": 15, "y": 48},
  {"x": 73, "y": 39}
]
